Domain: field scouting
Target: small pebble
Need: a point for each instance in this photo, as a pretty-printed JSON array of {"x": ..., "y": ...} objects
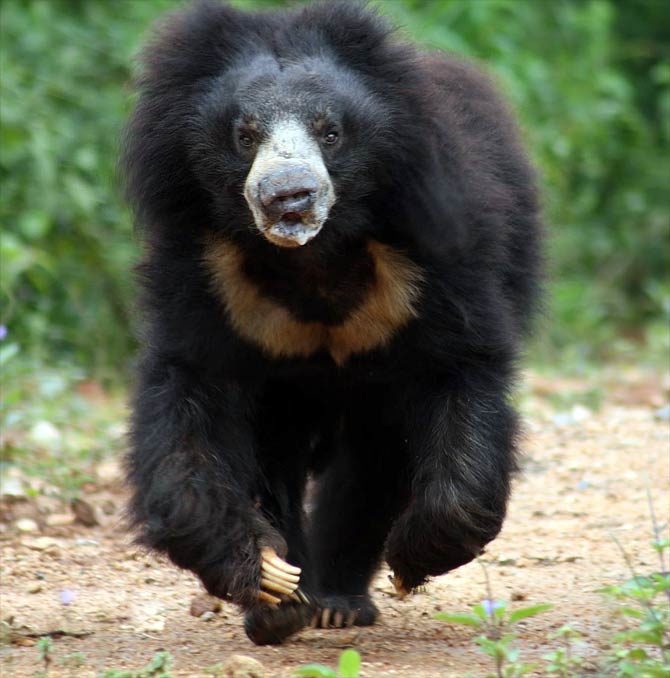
[
  {"x": 576, "y": 415},
  {"x": 35, "y": 588},
  {"x": 241, "y": 666},
  {"x": 84, "y": 512},
  {"x": 40, "y": 543},
  {"x": 26, "y": 525},
  {"x": 12, "y": 487},
  {"x": 108, "y": 507},
  {"x": 59, "y": 519},
  {"x": 154, "y": 625},
  {"x": 203, "y": 603},
  {"x": 21, "y": 641},
  {"x": 109, "y": 472}
]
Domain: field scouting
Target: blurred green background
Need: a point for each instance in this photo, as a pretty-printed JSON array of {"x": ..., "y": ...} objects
[{"x": 590, "y": 80}]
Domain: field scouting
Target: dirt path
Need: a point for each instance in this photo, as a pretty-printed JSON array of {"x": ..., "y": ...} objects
[{"x": 586, "y": 477}]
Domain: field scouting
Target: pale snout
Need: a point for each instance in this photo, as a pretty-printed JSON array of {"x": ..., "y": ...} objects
[{"x": 288, "y": 188}]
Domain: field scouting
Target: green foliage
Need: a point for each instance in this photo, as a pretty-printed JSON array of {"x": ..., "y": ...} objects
[
  {"x": 67, "y": 243},
  {"x": 589, "y": 78},
  {"x": 562, "y": 662},
  {"x": 45, "y": 647},
  {"x": 642, "y": 650},
  {"x": 496, "y": 622},
  {"x": 349, "y": 666},
  {"x": 159, "y": 667}
]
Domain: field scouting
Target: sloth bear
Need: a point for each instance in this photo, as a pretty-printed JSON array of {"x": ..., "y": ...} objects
[{"x": 341, "y": 258}]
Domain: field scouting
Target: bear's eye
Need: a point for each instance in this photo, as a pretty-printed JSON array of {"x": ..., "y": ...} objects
[
  {"x": 245, "y": 140},
  {"x": 331, "y": 137}
]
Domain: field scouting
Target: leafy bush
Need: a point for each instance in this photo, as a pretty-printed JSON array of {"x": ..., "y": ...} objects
[
  {"x": 588, "y": 77},
  {"x": 67, "y": 245}
]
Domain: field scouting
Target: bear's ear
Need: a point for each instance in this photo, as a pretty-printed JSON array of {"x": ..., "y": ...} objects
[{"x": 195, "y": 43}]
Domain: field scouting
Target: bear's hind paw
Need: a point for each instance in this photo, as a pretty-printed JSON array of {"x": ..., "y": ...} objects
[{"x": 342, "y": 611}]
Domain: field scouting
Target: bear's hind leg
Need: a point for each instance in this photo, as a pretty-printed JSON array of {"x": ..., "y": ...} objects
[{"x": 359, "y": 497}]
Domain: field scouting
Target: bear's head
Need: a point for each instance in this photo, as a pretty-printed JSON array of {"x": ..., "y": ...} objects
[
  {"x": 296, "y": 134},
  {"x": 287, "y": 125}
]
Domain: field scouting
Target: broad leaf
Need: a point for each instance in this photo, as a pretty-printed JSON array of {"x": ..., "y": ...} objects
[
  {"x": 462, "y": 618},
  {"x": 526, "y": 612},
  {"x": 350, "y": 664}
]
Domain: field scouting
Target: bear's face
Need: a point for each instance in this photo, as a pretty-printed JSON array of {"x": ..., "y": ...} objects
[{"x": 292, "y": 138}]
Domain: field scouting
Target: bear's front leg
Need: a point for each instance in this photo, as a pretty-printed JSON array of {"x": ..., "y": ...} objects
[
  {"x": 195, "y": 478},
  {"x": 461, "y": 445}
]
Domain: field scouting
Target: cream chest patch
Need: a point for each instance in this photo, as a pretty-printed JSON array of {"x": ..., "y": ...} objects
[{"x": 387, "y": 306}]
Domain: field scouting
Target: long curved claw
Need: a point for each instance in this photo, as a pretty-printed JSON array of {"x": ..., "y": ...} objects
[
  {"x": 401, "y": 590},
  {"x": 299, "y": 597},
  {"x": 293, "y": 585},
  {"x": 270, "y": 556},
  {"x": 304, "y": 598},
  {"x": 277, "y": 587},
  {"x": 271, "y": 600},
  {"x": 278, "y": 577},
  {"x": 275, "y": 572}
]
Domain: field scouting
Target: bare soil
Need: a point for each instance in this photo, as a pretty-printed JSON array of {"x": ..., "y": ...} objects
[{"x": 585, "y": 479}]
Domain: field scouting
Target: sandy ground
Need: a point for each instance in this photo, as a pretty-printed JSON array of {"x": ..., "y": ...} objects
[{"x": 585, "y": 479}]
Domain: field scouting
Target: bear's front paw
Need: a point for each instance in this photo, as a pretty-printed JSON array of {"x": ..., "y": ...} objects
[
  {"x": 271, "y": 625},
  {"x": 250, "y": 572}
]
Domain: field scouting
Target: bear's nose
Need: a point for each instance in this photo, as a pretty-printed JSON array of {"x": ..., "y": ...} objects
[{"x": 287, "y": 190}]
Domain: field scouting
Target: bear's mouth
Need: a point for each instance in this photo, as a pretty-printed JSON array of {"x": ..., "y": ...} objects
[{"x": 293, "y": 230}]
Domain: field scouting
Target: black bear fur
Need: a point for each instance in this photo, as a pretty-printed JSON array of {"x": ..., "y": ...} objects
[{"x": 411, "y": 440}]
